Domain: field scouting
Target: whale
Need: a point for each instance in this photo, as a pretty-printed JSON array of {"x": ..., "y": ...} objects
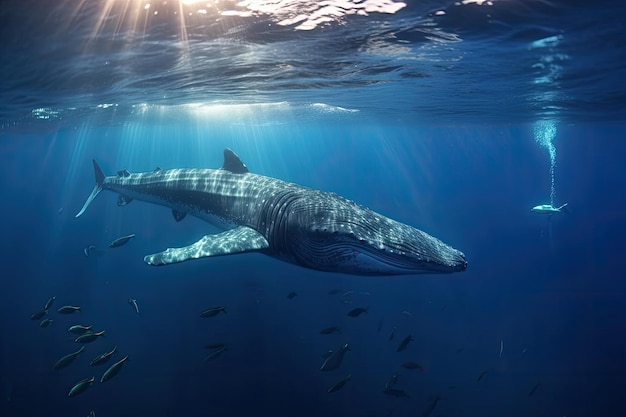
[{"x": 303, "y": 226}]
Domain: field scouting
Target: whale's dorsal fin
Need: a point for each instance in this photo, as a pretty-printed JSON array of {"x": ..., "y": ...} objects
[
  {"x": 232, "y": 163},
  {"x": 123, "y": 173}
]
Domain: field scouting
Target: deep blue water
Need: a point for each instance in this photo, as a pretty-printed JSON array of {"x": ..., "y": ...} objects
[{"x": 439, "y": 115}]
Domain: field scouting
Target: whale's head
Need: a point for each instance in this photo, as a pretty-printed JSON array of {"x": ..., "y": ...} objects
[{"x": 352, "y": 239}]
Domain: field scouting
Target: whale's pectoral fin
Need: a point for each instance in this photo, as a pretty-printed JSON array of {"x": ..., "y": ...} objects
[{"x": 239, "y": 240}]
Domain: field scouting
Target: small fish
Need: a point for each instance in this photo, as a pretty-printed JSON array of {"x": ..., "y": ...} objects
[
  {"x": 393, "y": 333},
  {"x": 407, "y": 313},
  {"x": 113, "y": 369},
  {"x": 103, "y": 358},
  {"x": 213, "y": 311},
  {"x": 60, "y": 210},
  {"x": 334, "y": 291},
  {"x": 78, "y": 329},
  {"x": 49, "y": 303},
  {"x": 215, "y": 354},
  {"x": 87, "y": 250},
  {"x": 68, "y": 309},
  {"x": 356, "y": 312},
  {"x": 334, "y": 360},
  {"x": 347, "y": 293},
  {"x": 412, "y": 365},
  {"x": 391, "y": 382},
  {"x": 405, "y": 342},
  {"x": 482, "y": 375},
  {"x": 214, "y": 345},
  {"x": 501, "y": 348},
  {"x": 292, "y": 295},
  {"x": 67, "y": 359},
  {"x": 330, "y": 330},
  {"x": 340, "y": 384},
  {"x": 431, "y": 407},
  {"x": 121, "y": 241},
  {"x": 89, "y": 337},
  {"x": 38, "y": 315},
  {"x": 133, "y": 303},
  {"x": 81, "y": 386},
  {"x": 396, "y": 393},
  {"x": 533, "y": 390},
  {"x": 46, "y": 322}
]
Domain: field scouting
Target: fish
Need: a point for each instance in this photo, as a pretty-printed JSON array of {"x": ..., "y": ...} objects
[
  {"x": 214, "y": 345},
  {"x": 431, "y": 407},
  {"x": 46, "y": 322},
  {"x": 340, "y": 384},
  {"x": 412, "y": 365},
  {"x": 120, "y": 241},
  {"x": 103, "y": 358},
  {"x": 405, "y": 342},
  {"x": 392, "y": 334},
  {"x": 356, "y": 312},
  {"x": 215, "y": 354},
  {"x": 213, "y": 311},
  {"x": 113, "y": 369},
  {"x": 133, "y": 303},
  {"x": 330, "y": 330},
  {"x": 88, "y": 337},
  {"x": 69, "y": 309},
  {"x": 334, "y": 360},
  {"x": 549, "y": 209},
  {"x": 391, "y": 382},
  {"x": 66, "y": 360},
  {"x": 300, "y": 225},
  {"x": 78, "y": 329},
  {"x": 292, "y": 295},
  {"x": 396, "y": 393},
  {"x": 482, "y": 375},
  {"x": 533, "y": 390},
  {"x": 81, "y": 386},
  {"x": 49, "y": 303},
  {"x": 38, "y": 315}
]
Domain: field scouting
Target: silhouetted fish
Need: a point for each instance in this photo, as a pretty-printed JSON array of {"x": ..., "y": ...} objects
[
  {"x": 121, "y": 241},
  {"x": 357, "y": 311},
  {"x": 396, "y": 393},
  {"x": 405, "y": 342},
  {"x": 330, "y": 330},
  {"x": 340, "y": 384},
  {"x": 213, "y": 311}
]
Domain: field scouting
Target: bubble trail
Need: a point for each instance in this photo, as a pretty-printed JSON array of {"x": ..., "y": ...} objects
[{"x": 545, "y": 132}]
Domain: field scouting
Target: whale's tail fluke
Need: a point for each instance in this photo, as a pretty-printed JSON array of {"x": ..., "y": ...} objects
[{"x": 96, "y": 190}]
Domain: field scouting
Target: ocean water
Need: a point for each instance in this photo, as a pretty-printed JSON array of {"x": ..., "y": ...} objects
[{"x": 456, "y": 118}]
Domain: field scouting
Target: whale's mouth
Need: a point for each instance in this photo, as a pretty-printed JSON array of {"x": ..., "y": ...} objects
[
  {"x": 349, "y": 256},
  {"x": 388, "y": 262}
]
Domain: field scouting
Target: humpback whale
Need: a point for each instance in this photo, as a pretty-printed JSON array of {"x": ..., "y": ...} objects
[{"x": 304, "y": 226}]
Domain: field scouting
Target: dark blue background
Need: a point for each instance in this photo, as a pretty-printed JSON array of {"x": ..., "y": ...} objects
[{"x": 555, "y": 300}]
